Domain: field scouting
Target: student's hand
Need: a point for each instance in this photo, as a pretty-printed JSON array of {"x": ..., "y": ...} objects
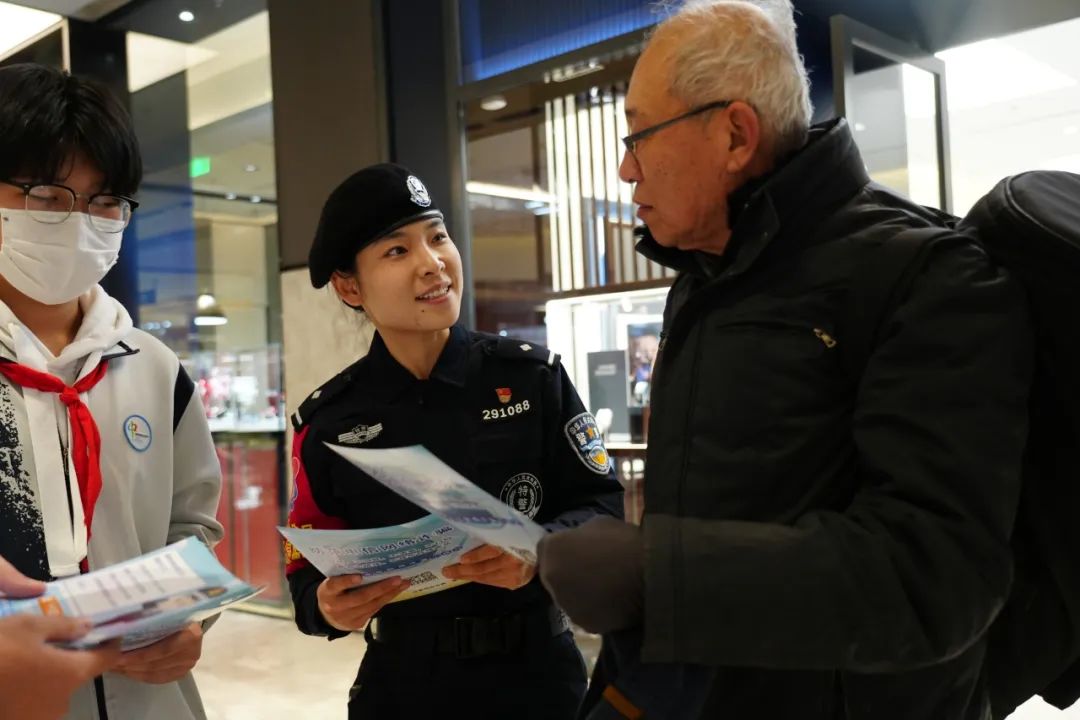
[
  {"x": 14, "y": 584},
  {"x": 490, "y": 565},
  {"x": 37, "y": 680},
  {"x": 165, "y": 661},
  {"x": 346, "y": 605}
]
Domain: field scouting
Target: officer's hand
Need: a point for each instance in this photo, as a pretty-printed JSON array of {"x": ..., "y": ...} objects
[
  {"x": 37, "y": 679},
  {"x": 489, "y": 565},
  {"x": 167, "y": 660},
  {"x": 350, "y": 611}
]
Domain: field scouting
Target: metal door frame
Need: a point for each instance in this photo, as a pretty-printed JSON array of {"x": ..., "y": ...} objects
[{"x": 847, "y": 35}]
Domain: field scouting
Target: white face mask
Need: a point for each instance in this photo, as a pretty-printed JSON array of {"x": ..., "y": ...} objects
[{"x": 56, "y": 263}]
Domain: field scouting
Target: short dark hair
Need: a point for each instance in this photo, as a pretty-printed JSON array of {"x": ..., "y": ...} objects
[{"x": 47, "y": 115}]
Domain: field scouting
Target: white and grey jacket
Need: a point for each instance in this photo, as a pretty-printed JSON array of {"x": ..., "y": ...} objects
[{"x": 161, "y": 479}]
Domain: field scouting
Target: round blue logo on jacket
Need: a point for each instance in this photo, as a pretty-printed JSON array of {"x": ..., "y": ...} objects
[{"x": 138, "y": 433}]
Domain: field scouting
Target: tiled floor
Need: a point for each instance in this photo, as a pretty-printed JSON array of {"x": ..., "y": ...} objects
[{"x": 259, "y": 668}]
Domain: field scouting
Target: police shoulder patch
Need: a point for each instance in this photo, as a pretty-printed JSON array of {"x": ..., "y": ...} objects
[
  {"x": 317, "y": 399},
  {"x": 587, "y": 443},
  {"x": 521, "y": 350}
]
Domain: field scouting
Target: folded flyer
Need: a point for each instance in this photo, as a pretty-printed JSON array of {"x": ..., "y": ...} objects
[
  {"x": 416, "y": 551},
  {"x": 143, "y": 600},
  {"x": 425, "y": 480}
]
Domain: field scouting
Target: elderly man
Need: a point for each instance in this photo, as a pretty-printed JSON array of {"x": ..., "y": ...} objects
[{"x": 825, "y": 544}]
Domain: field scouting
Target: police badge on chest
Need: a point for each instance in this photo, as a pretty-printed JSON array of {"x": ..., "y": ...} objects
[{"x": 524, "y": 493}]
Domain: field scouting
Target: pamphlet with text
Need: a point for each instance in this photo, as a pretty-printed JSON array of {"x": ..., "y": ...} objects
[{"x": 143, "y": 600}]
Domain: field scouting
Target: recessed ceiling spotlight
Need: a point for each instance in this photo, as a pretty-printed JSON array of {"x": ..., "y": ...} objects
[{"x": 493, "y": 103}]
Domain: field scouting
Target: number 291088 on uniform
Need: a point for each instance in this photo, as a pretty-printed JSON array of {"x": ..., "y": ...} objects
[{"x": 508, "y": 411}]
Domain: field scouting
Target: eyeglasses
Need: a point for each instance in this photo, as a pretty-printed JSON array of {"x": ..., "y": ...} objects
[
  {"x": 53, "y": 204},
  {"x": 631, "y": 141}
]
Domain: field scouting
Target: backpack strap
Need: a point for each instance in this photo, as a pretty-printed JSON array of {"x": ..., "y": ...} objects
[{"x": 879, "y": 283}]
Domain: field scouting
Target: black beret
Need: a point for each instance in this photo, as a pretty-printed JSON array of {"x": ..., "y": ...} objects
[{"x": 370, "y": 204}]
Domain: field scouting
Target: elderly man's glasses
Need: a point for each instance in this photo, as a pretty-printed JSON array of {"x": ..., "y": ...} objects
[
  {"x": 631, "y": 141},
  {"x": 53, "y": 204}
]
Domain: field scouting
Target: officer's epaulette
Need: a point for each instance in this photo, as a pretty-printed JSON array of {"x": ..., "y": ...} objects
[
  {"x": 329, "y": 390},
  {"x": 521, "y": 350}
]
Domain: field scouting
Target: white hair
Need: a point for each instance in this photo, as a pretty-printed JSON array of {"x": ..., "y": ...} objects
[{"x": 743, "y": 50}]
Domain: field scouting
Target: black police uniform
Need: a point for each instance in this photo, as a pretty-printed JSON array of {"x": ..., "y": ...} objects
[{"x": 504, "y": 414}]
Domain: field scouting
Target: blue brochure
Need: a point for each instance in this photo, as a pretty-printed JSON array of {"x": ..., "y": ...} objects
[{"x": 142, "y": 600}]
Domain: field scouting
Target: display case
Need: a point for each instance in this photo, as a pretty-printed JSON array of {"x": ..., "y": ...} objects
[
  {"x": 608, "y": 345},
  {"x": 245, "y": 407},
  {"x": 241, "y": 391}
]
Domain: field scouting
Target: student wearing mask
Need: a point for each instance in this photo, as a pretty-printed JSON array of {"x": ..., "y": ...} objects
[{"x": 105, "y": 453}]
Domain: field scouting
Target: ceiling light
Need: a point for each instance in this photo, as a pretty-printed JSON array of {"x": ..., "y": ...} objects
[
  {"x": 860, "y": 127},
  {"x": 1072, "y": 130},
  {"x": 19, "y": 24},
  {"x": 230, "y": 196},
  {"x": 256, "y": 198},
  {"x": 493, "y": 103},
  {"x": 208, "y": 312},
  {"x": 186, "y": 16},
  {"x": 250, "y": 168}
]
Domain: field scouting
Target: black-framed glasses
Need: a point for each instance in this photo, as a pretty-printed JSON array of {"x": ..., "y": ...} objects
[
  {"x": 631, "y": 141},
  {"x": 52, "y": 204}
]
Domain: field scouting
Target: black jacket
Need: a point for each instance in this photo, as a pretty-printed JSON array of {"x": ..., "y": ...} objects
[
  {"x": 836, "y": 548},
  {"x": 501, "y": 412}
]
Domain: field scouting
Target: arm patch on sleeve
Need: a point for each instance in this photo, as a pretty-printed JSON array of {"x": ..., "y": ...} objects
[
  {"x": 587, "y": 443},
  {"x": 304, "y": 512}
]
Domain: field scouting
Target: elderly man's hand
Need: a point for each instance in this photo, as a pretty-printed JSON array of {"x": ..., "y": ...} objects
[{"x": 596, "y": 573}]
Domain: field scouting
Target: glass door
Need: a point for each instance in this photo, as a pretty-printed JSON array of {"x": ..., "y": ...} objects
[{"x": 894, "y": 96}]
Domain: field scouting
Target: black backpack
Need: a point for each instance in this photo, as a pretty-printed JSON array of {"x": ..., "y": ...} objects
[{"x": 1030, "y": 224}]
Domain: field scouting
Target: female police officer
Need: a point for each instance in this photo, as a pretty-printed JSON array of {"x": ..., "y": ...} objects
[{"x": 501, "y": 412}]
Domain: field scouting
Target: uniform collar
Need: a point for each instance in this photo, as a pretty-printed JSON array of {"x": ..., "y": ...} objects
[
  {"x": 391, "y": 378},
  {"x": 794, "y": 198}
]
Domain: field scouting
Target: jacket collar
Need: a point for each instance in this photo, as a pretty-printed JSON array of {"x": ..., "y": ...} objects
[
  {"x": 801, "y": 192},
  {"x": 392, "y": 379},
  {"x": 123, "y": 348}
]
